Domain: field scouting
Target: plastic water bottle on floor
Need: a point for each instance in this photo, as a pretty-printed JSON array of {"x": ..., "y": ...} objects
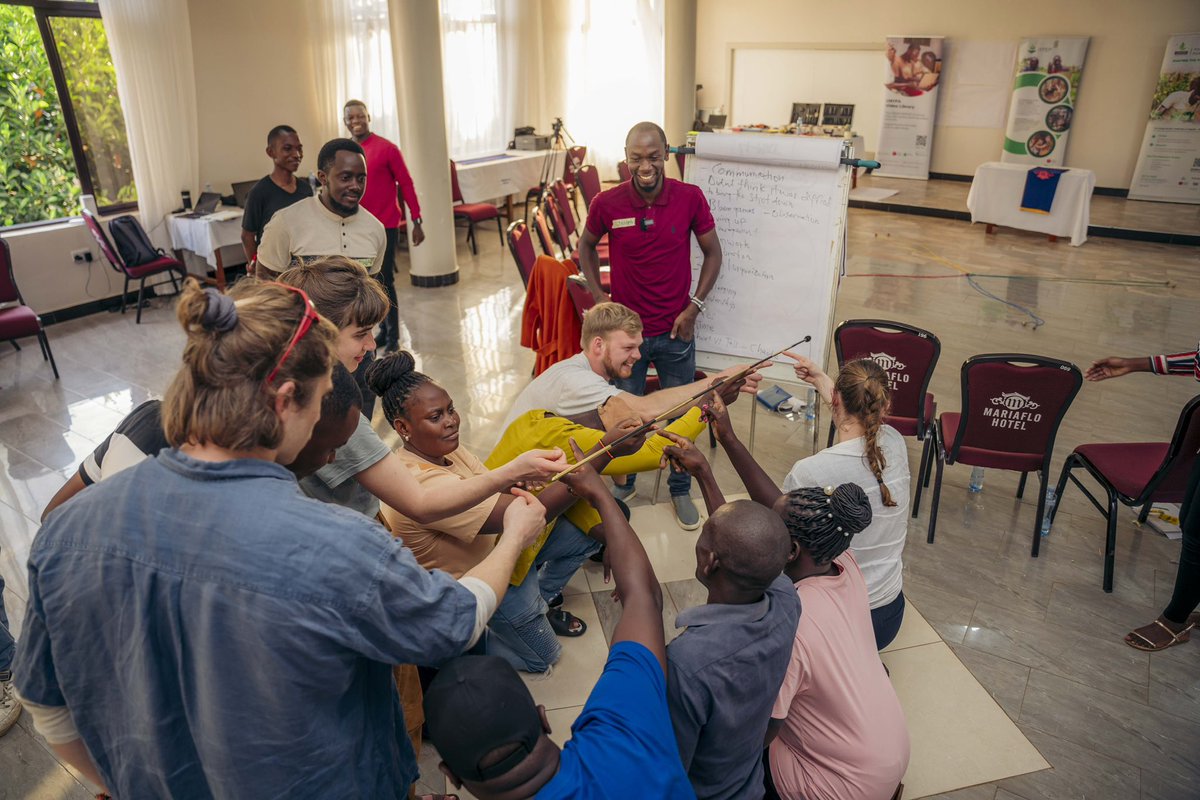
[
  {"x": 810, "y": 405},
  {"x": 1051, "y": 502},
  {"x": 976, "y": 484}
]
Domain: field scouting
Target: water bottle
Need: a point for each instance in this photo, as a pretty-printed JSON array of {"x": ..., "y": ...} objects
[
  {"x": 976, "y": 485},
  {"x": 1051, "y": 502},
  {"x": 810, "y": 405}
]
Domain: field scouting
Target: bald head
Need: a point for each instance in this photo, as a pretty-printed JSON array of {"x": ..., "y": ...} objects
[
  {"x": 749, "y": 543},
  {"x": 645, "y": 129}
]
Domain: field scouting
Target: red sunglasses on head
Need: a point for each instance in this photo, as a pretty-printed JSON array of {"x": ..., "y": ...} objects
[{"x": 306, "y": 322}]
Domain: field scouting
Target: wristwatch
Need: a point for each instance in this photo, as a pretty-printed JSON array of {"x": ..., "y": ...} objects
[
  {"x": 417, "y": 220},
  {"x": 697, "y": 302}
]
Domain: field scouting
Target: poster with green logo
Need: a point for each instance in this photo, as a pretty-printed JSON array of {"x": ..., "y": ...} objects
[
  {"x": 1168, "y": 166},
  {"x": 1043, "y": 100}
]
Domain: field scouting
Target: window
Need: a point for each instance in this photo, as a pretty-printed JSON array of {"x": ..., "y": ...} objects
[
  {"x": 62, "y": 133},
  {"x": 471, "y": 69}
]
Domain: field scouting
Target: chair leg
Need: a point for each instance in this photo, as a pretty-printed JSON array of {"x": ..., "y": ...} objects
[
  {"x": 124, "y": 294},
  {"x": 1144, "y": 513},
  {"x": 500, "y": 228},
  {"x": 16, "y": 346},
  {"x": 46, "y": 349},
  {"x": 141, "y": 294},
  {"x": 471, "y": 237},
  {"x": 1110, "y": 542},
  {"x": 174, "y": 283},
  {"x": 921, "y": 473},
  {"x": 1021, "y": 485},
  {"x": 1044, "y": 478},
  {"x": 937, "y": 494},
  {"x": 1061, "y": 486},
  {"x": 929, "y": 465}
]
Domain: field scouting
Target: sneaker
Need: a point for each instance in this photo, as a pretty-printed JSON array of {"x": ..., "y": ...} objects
[
  {"x": 10, "y": 709},
  {"x": 686, "y": 513},
  {"x": 624, "y": 492}
]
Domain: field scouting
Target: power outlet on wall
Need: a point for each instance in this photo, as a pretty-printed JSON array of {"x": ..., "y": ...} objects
[{"x": 82, "y": 256}]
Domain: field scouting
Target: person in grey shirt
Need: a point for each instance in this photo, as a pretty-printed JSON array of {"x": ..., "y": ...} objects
[{"x": 725, "y": 669}]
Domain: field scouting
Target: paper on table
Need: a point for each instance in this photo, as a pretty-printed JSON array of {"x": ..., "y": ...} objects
[{"x": 807, "y": 152}]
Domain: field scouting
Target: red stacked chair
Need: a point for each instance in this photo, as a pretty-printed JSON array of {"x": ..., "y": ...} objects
[{"x": 473, "y": 212}]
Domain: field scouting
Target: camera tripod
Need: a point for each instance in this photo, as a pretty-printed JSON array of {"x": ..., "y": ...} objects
[{"x": 561, "y": 140}]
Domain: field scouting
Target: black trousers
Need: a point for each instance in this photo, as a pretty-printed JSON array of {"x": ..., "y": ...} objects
[
  {"x": 1186, "y": 595},
  {"x": 389, "y": 329}
]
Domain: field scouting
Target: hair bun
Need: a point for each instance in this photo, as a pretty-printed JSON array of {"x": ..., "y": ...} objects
[
  {"x": 386, "y": 371},
  {"x": 851, "y": 507},
  {"x": 220, "y": 314}
]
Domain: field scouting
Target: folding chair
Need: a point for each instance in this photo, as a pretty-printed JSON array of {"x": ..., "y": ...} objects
[
  {"x": 1135, "y": 474},
  {"x": 1012, "y": 406},
  {"x": 908, "y": 355},
  {"x": 588, "y": 179},
  {"x": 139, "y": 273},
  {"x": 581, "y": 295},
  {"x": 520, "y": 244},
  {"x": 19, "y": 320},
  {"x": 623, "y": 171},
  {"x": 542, "y": 229},
  {"x": 473, "y": 212},
  {"x": 576, "y": 155}
]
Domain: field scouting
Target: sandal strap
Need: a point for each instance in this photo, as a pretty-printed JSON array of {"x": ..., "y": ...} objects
[{"x": 1174, "y": 636}]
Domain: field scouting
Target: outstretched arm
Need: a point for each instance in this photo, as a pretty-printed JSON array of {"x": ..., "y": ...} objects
[
  {"x": 683, "y": 456},
  {"x": 1168, "y": 364},
  {"x": 762, "y": 489}
]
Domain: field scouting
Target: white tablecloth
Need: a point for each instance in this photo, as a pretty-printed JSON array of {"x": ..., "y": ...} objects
[
  {"x": 516, "y": 174},
  {"x": 995, "y": 198},
  {"x": 205, "y": 235}
]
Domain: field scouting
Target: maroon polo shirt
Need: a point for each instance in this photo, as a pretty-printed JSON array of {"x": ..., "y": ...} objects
[{"x": 651, "y": 268}]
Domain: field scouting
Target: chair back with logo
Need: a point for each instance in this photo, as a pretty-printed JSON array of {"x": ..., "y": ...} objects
[
  {"x": 1013, "y": 404},
  {"x": 623, "y": 171},
  {"x": 573, "y": 163},
  {"x": 520, "y": 244},
  {"x": 563, "y": 200},
  {"x": 907, "y": 354},
  {"x": 589, "y": 183}
]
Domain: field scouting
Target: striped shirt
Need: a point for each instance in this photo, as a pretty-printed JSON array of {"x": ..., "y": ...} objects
[{"x": 1177, "y": 364}]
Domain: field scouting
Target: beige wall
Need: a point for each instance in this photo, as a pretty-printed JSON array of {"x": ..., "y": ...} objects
[{"x": 1124, "y": 55}]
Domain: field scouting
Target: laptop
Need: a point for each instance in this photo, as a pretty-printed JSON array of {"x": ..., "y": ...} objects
[
  {"x": 241, "y": 190},
  {"x": 716, "y": 121},
  {"x": 207, "y": 204}
]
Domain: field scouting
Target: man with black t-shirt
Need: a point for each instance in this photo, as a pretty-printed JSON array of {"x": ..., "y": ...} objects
[{"x": 275, "y": 191}]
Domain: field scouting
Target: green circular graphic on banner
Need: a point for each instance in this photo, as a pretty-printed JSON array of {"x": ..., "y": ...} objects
[
  {"x": 1040, "y": 144},
  {"x": 1058, "y": 119},
  {"x": 1054, "y": 89}
]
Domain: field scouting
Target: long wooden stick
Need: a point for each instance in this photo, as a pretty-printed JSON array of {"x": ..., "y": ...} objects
[{"x": 645, "y": 426}]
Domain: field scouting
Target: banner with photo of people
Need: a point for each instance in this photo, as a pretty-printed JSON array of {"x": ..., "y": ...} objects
[
  {"x": 912, "y": 75},
  {"x": 1043, "y": 100},
  {"x": 1168, "y": 167}
]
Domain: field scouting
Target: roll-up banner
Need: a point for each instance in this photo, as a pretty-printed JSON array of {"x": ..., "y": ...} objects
[
  {"x": 1043, "y": 100},
  {"x": 911, "y": 78},
  {"x": 1168, "y": 167}
]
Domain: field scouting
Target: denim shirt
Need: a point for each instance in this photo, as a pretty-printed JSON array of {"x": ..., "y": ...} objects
[{"x": 214, "y": 633}]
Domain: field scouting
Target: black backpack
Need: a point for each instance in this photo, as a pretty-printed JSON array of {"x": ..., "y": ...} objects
[{"x": 132, "y": 243}]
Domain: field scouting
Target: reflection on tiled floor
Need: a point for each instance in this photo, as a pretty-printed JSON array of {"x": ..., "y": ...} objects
[{"x": 1039, "y": 635}]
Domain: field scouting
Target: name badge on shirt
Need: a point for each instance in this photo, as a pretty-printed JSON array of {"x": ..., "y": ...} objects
[{"x": 628, "y": 222}]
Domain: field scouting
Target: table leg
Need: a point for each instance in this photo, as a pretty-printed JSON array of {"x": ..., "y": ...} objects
[
  {"x": 990, "y": 228},
  {"x": 854, "y": 178},
  {"x": 220, "y": 270},
  {"x": 508, "y": 208}
]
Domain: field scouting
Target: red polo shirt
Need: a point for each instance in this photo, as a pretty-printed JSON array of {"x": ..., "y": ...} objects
[
  {"x": 651, "y": 263},
  {"x": 386, "y": 170}
]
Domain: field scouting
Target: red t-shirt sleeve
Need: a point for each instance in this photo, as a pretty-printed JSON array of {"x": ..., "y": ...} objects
[
  {"x": 404, "y": 179},
  {"x": 702, "y": 219},
  {"x": 597, "y": 218}
]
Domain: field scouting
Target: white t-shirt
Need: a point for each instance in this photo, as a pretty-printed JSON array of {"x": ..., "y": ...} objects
[
  {"x": 567, "y": 388},
  {"x": 307, "y": 230},
  {"x": 877, "y": 549},
  {"x": 1179, "y": 105}
]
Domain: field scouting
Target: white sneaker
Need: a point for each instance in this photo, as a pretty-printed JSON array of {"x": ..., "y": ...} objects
[{"x": 10, "y": 709}]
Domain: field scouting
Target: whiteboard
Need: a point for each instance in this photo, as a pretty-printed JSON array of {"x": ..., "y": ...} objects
[
  {"x": 767, "y": 80},
  {"x": 780, "y": 207}
]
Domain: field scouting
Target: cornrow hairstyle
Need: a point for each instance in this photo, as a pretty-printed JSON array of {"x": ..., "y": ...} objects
[
  {"x": 394, "y": 378},
  {"x": 823, "y": 521},
  {"x": 863, "y": 386}
]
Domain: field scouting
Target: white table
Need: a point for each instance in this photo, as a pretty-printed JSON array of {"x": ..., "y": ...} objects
[
  {"x": 205, "y": 236},
  {"x": 995, "y": 199},
  {"x": 515, "y": 174}
]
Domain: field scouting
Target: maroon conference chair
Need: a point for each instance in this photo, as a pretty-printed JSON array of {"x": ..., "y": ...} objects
[
  {"x": 588, "y": 179},
  {"x": 908, "y": 355},
  {"x": 1135, "y": 474},
  {"x": 623, "y": 171},
  {"x": 473, "y": 213},
  {"x": 681, "y": 161},
  {"x": 580, "y": 294},
  {"x": 18, "y": 321},
  {"x": 562, "y": 199},
  {"x": 558, "y": 225},
  {"x": 1012, "y": 406},
  {"x": 576, "y": 155},
  {"x": 542, "y": 228},
  {"x": 139, "y": 273},
  {"x": 520, "y": 244}
]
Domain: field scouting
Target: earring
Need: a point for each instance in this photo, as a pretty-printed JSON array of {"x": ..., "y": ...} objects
[{"x": 405, "y": 436}]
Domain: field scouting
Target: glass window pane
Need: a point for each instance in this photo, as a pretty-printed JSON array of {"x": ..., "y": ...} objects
[
  {"x": 37, "y": 169},
  {"x": 92, "y": 83}
]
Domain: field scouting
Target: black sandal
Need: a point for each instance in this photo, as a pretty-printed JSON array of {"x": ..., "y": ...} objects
[{"x": 563, "y": 623}]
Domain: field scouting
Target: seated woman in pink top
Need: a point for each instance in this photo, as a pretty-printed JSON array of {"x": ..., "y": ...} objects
[{"x": 837, "y": 731}]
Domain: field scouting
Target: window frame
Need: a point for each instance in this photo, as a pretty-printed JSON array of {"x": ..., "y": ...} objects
[{"x": 43, "y": 11}]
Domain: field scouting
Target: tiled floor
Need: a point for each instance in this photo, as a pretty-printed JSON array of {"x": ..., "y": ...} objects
[{"x": 1038, "y": 634}]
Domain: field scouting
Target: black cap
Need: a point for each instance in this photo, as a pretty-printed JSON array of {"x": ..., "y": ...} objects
[{"x": 475, "y": 705}]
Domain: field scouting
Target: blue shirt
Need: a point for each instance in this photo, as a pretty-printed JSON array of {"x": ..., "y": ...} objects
[
  {"x": 215, "y": 634},
  {"x": 725, "y": 673},
  {"x": 621, "y": 745}
]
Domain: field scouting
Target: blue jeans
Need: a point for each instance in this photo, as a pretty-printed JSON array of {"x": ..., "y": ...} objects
[
  {"x": 7, "y": 645},
  {"x": 886, "y": 620},
  {"x": 519, "y": 631},
  {"x": 675, "y": 362}
]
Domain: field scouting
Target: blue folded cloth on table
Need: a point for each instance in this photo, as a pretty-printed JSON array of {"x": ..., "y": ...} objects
[{"x": 1041, "y": 183}]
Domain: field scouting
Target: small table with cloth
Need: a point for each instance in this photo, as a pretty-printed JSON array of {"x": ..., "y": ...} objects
[
  {"x": 995, "y": 199},
  {"x": 205, "y": 236}
]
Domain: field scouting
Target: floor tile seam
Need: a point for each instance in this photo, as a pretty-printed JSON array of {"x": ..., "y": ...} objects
[
  {"x": 991, "y": 696},
  {"x": 1091, "y": 690},
  {"x": 1099, "y": 756},
  {"x": 37, "y": 461},
  {"x": 1143, "y": 689},
  {"x": 37, "y": 523}
]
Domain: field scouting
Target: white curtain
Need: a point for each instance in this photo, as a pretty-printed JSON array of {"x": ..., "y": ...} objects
[
  {"x": 355, "y": 63},
  {"x": 616, "y": 67},
  {"x": 151, "y": 46},
  {"x": 471, "y": 77}
]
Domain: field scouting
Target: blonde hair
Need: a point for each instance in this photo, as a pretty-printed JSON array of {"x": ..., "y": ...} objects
[
  {"x": 863, "y": 386},
  {"x": 220, "y": 395},
  {"x": 341, "y": 290},
  {"x": 604, "y": 318}
]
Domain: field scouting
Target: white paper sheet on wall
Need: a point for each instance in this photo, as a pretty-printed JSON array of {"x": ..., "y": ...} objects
[{"x": 978, "y": 83}]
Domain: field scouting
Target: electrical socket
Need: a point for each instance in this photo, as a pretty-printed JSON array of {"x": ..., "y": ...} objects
[{"x": 82, "y": 256}]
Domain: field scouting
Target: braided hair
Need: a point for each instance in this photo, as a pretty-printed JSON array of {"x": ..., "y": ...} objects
[
  {"x": 394, "y": 378},
  {"x": 863, "y": 386},
  {"x": 823, "y": 521}
]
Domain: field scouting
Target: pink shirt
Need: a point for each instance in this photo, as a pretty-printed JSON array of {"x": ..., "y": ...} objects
[
  {"x": 649, "y": 247},
  {"x": 845, "y": 737},
  {"x": 385, "y": 171}
]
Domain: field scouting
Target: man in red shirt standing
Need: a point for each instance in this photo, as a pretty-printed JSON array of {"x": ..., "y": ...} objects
[
  {"x": 387, "y": 182},
  {"x": 650, "y": 220}
]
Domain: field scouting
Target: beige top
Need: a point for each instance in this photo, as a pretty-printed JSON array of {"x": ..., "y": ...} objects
[
  {"x": 307, "y": 230},
  {"x": 452, "y": 544}
]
